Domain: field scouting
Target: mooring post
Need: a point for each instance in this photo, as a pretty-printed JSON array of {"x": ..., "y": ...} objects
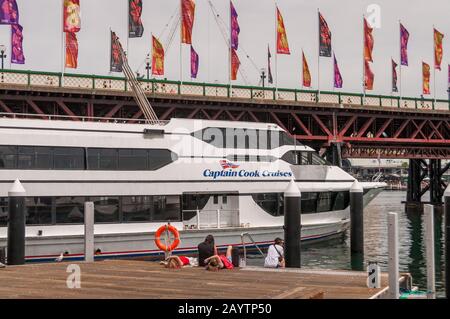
[
  {"x": 393, "y": 271},
  {"x": 88, "y": 231},
  {"x": 356, "y": 219},
  {"x": 16, "y": 224},
  {"x": 292, "y": 225},
  {"x": 447, "y": 240},
  {"x": 429, "y": 247}
]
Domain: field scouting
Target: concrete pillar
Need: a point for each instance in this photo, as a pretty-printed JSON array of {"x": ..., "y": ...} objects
[
  {"x": 16, "y": 225},
  {"x": 88, "y": 231},
  {"x": 292, "y": 225}
]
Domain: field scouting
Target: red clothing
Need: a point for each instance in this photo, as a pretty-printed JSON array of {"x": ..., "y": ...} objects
[
  {"x": 226, "y": 263},
  {"x": 184, "y": 260}
]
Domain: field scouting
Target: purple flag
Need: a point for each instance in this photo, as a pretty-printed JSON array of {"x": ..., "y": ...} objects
[
  {"x": 9, "y": 13},
  {"x": 234, "y": 28},
  {"x": 194, "y": 63},
  {"x": 337, "y": 75},
  {"x": 404, "y": 36},
  {"x": 17, "y": 56},
  {"x": 394, "y": 76}
]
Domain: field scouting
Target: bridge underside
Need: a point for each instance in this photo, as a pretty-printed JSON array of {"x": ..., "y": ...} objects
[{"x": 358, "y": 131}]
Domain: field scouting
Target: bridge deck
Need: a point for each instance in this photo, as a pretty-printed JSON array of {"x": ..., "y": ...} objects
[{"x": 142, "y": 279}]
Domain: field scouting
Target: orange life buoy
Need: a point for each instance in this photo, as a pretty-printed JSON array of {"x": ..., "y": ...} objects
[{"x": 175, "y": 234}]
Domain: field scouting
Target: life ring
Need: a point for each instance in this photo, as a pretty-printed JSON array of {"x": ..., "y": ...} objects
[{"x": 175, "y": 234}]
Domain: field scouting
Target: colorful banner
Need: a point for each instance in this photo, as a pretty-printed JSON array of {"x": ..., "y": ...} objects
[
  {"x": 306, "y": 73},
  {"x": 282, "y": 41},
  {"x": 425, "y": 78},
  {"x": 71, "y": 50},
  {"x": 17, "y": 55},
  {"x": 324, "y": 38},
  {"x": 368, "y": 76},
  {"x": 235, "y": 63},
  {"x": 404, "y": 37},
  {"x": 9, "y": 12},
  {"x": 135, "y": 27},
  {"x": 438, "y": 52},
  {"x": 194, "y": 63},
  {"x": 368, "y": 41},
  {"x": 234, "y": 26},
  {"x": 394, "y": 76},
  {"x": 72, "y": 21},
  {"x": 116, "y": 56},
  {"x": 338, "y": 81},
  {"x": 270, "y": 78},
  {"x": 157, "y": 57},
  {"x": 187, "y": 14}
]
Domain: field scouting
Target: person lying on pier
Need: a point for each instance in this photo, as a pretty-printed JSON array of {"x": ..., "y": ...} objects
[
  {"x": 217, "y": 262},
  {"x": 275, "y": 255},
  {"x": 179, "y": 262}
]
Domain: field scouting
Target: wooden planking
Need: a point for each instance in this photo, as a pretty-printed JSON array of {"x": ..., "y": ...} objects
[{"x": 140, "y": 279}]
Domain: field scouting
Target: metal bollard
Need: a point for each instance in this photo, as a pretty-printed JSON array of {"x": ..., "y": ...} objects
[
  {"x": 356, "y": 218},
  {"x": 292, "y": 225},
  {"x": 16, "y": 225}
]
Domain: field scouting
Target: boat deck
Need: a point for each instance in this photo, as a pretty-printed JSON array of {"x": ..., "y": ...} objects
[{"x": 142, "y": 279}]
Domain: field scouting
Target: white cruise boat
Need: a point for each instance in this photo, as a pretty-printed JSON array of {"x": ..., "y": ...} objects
[{"x": 204, "y": 177}]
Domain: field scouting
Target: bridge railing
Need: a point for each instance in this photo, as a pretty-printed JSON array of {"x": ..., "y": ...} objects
[{"x": 156, "y": 86}]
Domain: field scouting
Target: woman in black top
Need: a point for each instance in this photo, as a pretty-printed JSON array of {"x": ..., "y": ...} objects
[{"x": 206, "y": 249}]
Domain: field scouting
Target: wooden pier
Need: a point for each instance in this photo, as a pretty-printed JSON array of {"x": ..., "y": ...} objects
[{"x": 142, "y": 279}]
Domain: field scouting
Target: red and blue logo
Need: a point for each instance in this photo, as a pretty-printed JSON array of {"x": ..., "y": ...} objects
[{"x": 227, "y": 164}]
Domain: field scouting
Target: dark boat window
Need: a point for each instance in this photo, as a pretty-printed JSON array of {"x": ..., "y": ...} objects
[
  {"x": 158, "y": 158},
  {"x": 3, "y": 211},
  {"x": 69, "y": 210},
  {"x": 324, "y": 202},
  {"x": 303, "y": 158},
  {"x": 137, "y": 208},
  {"x": 8, "y": 157},
  {"x": 317, "y": 160},
  {"x": 68, "y": 158},
  {"x": 31, "y": 157},
  {"x": 133, "y": 159},
  {"x": 272, "y": 203},
  {"x": 39, "y": 210},
  {"x": 106, "y": 209},
  {"x": 309, "y": 202},
  {"x": 102, "y": 158},
  {"x": 166, "y": 208},
  {"x": 342, "y": 200}
]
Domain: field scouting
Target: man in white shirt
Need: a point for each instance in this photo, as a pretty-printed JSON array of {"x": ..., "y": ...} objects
[{"x": 275, "y": 255}]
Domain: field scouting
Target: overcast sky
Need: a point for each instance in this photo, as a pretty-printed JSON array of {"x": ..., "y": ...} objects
[{"x": 41, "y": 20}]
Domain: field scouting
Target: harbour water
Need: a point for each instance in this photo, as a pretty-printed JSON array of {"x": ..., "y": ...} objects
[{"x": 336, "y": 254}]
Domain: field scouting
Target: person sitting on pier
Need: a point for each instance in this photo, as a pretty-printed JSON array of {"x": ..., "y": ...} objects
[
  {"x": 206, "y": 249},
  {"x": 179, "y": 262},
  {"x": 275, "y": 255},
  {"x": 217, "y": 262}
]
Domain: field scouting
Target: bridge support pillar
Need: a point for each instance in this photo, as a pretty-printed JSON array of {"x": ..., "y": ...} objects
[
  {"x": 333, "y": 154},
  {"x": 418, "y": 170}
]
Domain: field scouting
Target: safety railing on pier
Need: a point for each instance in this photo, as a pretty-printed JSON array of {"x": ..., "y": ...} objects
[
  {"x": 164, "y": 87},
  {"x": 207, "y": 219}
]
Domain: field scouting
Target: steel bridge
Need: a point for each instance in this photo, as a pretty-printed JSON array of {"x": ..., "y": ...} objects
[{"x": 337, "y": 124}]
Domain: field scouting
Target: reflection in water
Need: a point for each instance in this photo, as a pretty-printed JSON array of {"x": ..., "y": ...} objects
[{"x": 335, "y": 254}]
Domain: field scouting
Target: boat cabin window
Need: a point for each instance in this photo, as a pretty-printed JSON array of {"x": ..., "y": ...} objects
[
  {"x": 70, "y": 210},
  {"x": 241, "y": 138},
  {"x": 312, "y": 202},
  {"x": 303, "y": 158},
  {"x": 74, "y": 158}
]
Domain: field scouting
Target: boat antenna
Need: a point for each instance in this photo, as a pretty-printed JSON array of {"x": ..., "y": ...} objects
[{"x": 138, "y": 92}]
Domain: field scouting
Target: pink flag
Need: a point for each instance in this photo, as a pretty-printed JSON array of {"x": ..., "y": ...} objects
[{"x": 194, "y": 63}]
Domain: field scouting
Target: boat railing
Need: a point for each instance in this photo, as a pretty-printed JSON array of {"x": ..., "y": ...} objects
[
  {"x": 244, "y": 246},
  {"x": 210, "y": 219},
  {"x": 79, "y": 118}
]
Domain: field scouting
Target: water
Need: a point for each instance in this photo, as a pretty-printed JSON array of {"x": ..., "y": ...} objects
[{"x": 335, "y": 254}]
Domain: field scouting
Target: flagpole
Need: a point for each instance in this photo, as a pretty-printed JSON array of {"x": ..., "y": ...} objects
[
  {"x": 230, "y": 57},
  {"x": 303, "y": 69},
  {"x": 434, "y": 67},
  {"x": 128, "y": 29},
  {"x": 400, "y": 65},
  {"x": 364, "y": 63},
  {"x": 181, "y": 44},
  {"x": 63, "y": 44},
  {"x": 276, "y": 51},
  {"x": 318, "y": 59}
]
